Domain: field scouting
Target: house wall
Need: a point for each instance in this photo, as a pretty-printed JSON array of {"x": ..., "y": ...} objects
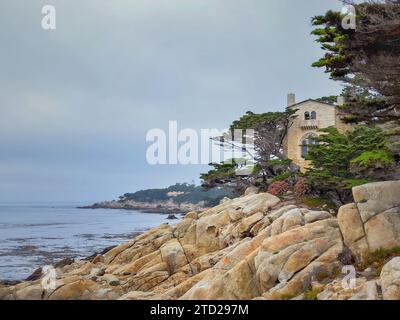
[
  {"x": 326, "y": 117},
  {"x": 340, "y": 125}
]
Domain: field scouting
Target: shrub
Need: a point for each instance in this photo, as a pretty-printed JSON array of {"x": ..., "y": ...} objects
[
  {"x": 302, "y": 188},
  {"x": 319, "y": 203},
  {"x": 369, "y": 158},
  {"x": 282, "y": 176},
  {"x": 278, "y": 188},
  {"x": 312, "y": 294},
  {"x": 378, "y": 259},
  {"x": 341, "y": 161}
]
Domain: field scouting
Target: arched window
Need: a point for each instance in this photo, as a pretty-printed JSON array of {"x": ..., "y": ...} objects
[
  {"x": 306, "y": 115},
  {"x": 304, "y": 148},
  {"x": 306, "y": 142},
  {"x": 313, "y": 115}
]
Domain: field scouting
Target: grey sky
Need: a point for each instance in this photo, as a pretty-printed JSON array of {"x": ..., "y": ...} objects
[{"x": 76, "y": 103}]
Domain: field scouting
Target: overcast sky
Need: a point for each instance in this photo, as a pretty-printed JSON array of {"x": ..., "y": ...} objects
[{"x": 76, "y": 102}]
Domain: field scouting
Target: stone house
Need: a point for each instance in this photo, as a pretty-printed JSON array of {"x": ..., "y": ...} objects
[{"x": 311, "y": 115}]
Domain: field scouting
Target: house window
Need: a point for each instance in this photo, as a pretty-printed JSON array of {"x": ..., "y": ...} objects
[
  {"x": 306, "y": 143},
  {"x": 313, "y": 115},
  {"x": 306, "y": 115},
  {"x": 304, "y": 148}
]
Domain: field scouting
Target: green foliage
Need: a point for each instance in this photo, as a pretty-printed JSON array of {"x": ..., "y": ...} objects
[
  {"x": 270, "y": 130},
  {"x": 369, "y": 158},
  {"x": 253, "y": 120},
  {"x": 365, "y": 59},
  {"x": 332, "y": 37},
  {"x": 224, "y": 175},
  {"x": 257, "y": 169},
  {"x": 328, "y": 99},
  {"x": 312, "y": 294},
  {"x": 188, "y": 193},
  {"x": 318, "y": 202},
  {"x": 378, "y": 259},
  {"x": 337, "y": 153},
  {"x": 221, "y": 171},
  {"x": 283, "y": 176},
  {"x": 354, "y": 182}
]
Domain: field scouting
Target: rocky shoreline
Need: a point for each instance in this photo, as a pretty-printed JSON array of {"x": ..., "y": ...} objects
[
  {"x": 63, "y": 260},
  {"x": 165, "y": 207},
  {"x": 252, "y": 247}
]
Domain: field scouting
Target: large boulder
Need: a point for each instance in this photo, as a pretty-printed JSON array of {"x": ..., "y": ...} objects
[
  {"x": 383, "y": 230},
  {"x": 390, "y": 280},
  {"x": 251, "y": 190},
  {"x": 32, "y": 292},
  {"x": 278, "y": 262},
  {"x": 352, "y": 228},
  {"x": 79, "y": 290},
  {"x": 287, "y": 263},
  {"x": 375, "y": 198},
  {"x": 373, "y": 221},
  {"x": 174, "y": 255},
  {"x": 339, "y": 289}
]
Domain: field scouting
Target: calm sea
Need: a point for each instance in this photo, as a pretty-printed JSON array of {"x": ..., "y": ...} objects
[{"x": 35, "y": 235}]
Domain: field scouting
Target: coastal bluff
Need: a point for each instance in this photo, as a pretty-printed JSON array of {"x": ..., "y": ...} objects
[{"x": 252, "y": 247}]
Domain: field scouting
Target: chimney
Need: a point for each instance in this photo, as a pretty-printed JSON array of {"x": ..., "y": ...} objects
[
  {"x": 340, "y": 101},
  {"x": 291, "y": 99}
]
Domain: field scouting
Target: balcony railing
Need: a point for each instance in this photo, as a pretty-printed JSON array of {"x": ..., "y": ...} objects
[{"x": 309, "y": 124}]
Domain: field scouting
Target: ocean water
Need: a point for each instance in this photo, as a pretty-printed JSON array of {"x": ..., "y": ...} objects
[{"x": 36, "y": 235}]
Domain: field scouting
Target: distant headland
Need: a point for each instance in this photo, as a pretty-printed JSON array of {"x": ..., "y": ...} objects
[{"x": 178, "y": 198}]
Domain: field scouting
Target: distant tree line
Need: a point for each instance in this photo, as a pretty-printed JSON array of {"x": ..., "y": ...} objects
[{"x": 179, "y": 193}]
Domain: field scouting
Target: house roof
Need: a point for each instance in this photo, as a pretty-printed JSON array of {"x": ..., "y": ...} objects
[{"x": 313, "y": 100}]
